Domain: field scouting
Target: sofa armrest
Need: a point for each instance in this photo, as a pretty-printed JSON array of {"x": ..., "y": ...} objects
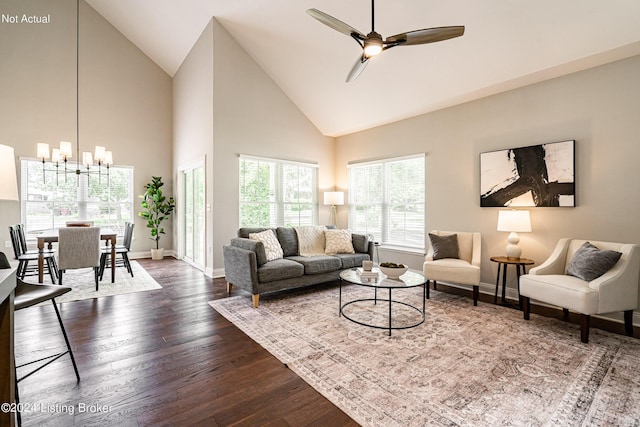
[
  {"x": 241, "y": 267},
  {"x": 251, "y": 245},
  {"x": 556, "y": 262}
]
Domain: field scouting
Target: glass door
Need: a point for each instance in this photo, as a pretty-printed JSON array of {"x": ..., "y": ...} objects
[{"x": 194, "y": 209}]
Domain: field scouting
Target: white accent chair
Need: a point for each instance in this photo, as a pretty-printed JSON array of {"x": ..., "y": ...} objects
[
  {"x": 464, "y": 271},
  {"x": 615, "y": 290},
  {"x": 79, "y": 247}
]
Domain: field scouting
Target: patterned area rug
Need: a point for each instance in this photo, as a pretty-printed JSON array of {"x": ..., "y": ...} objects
[
  {"x": 83, "y": 286},
  {"x": 464, "y": 366}
]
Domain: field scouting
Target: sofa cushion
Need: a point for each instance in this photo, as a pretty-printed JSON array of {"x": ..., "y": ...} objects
[
  {"x": 272, "y": 247},
  {"x": 318, "y": 264},
  {"x": 360, "y": 243},
  {"x": 352, "y": 260},
  {"x": 288, "y": 240},
  {"x": 589, "y": 262},
  {"x": 338, "y": 242},
  {"x": 444, "y": 246},
  {"x": 280, "y": 269}
]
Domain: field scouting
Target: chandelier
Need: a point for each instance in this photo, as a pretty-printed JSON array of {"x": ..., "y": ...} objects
[{"x": 62, "y": 155}]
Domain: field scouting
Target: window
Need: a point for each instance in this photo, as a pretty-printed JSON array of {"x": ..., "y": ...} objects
[
  {"x": 50, "y": 201},
  {"x": 277, "y": 192},
  {"x": 386, "y": 199}
]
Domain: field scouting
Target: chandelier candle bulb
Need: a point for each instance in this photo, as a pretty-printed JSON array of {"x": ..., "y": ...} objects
[
  {"x": 55, "y": 155},
  {"x": 99, "y": 154},
  {"x": 87, "y": 159},
  {"x": 65, "y": 150}
]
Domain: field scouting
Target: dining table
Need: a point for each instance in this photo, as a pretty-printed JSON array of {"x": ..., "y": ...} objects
[{"x": 51, "y": 235}]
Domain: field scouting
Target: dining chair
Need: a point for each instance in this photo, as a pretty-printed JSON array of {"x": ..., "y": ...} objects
[
  {"x": 26, "y": 250},
  {"x": 28, "y": 295},
  {"x": 122, "y": 250},
  {"x": 78, "y": 247},
  {"x": 24, "y": 269}
]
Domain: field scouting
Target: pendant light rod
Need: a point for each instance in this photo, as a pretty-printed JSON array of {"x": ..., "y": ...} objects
[{"x": 373, "y": 22}]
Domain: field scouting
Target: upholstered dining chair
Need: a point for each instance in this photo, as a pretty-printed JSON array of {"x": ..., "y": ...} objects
[
  {"x": 28, "y": 295},
  {"x": 122, "y": 250},
  {"x": 25, "y": 257},
  {"x": 454, "y": 257},
  {"x": 587, "y": 277},
  {"x": 78, "y": 247}
]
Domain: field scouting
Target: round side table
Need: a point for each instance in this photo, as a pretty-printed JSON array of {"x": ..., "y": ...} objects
[{"x": 503, "y": 262}]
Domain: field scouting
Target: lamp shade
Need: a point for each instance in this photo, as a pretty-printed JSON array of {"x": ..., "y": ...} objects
[
  {"x": 334, "y": 198},
  {"x": 513, "y": 220},
  {"x": 8, "y": 179}
]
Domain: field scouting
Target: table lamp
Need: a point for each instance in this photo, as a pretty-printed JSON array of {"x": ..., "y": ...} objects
[
  {"x": 334, "y": 198},
  {"x": 514, "y": 222},
  {"x": 8, "y": 185}
]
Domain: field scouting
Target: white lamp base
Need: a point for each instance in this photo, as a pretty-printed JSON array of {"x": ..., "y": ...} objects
[{"x": 513, "y": 250}]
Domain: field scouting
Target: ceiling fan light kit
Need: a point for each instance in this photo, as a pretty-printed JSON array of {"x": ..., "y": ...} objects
[{"x": 372, "y": 44}]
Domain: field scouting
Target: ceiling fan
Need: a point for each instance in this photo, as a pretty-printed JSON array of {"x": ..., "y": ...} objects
[{"x": 372, "y": 44}]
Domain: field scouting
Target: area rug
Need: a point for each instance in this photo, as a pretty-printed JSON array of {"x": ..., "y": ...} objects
[
  {"x": 464, "y": 366},
  {"x": 83, "y": 285}
]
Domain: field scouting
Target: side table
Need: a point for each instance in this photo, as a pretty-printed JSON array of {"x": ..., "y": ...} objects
[{"x": 503, "y": 262}]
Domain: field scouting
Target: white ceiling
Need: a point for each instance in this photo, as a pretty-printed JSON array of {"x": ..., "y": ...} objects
[{"x": 507, "y": 44}]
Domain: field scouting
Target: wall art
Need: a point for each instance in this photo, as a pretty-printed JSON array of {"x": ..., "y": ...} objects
[{"x": 538, "y": 175}]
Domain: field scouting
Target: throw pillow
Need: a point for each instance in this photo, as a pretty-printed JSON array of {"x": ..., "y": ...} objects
[
  {"x": 310, "y": 239},
  {"x": 272, "y": 247},
  {"x": 338, "y": 242},
  {"x": 589, "y": 262},
  {"x": 444, "y": 246}
]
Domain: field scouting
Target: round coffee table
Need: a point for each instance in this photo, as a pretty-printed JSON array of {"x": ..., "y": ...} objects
[{"x": 409, "y": 279}]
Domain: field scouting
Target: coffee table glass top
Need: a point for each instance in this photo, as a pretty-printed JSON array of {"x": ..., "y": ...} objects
[{"x": 409, "y": 279}]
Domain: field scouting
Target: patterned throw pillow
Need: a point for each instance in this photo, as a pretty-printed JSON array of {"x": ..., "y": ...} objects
[
  {"x": 444, "y": 246},
  {"x": 271, "y": 244},
  {"x": 338, "y": 242},
  {"x": 589, "y": 262}
]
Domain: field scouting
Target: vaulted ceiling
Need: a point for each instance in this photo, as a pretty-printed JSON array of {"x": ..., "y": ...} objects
[{"x": 507, "y": 44}]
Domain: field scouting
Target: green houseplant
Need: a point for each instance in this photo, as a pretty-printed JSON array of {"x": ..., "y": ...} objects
[{"x": 157, "y": 208}]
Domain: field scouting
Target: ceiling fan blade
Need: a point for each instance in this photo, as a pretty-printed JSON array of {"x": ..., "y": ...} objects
[
  {"x": 358, "y": 67},
  {"x": 429, "y": 35},
  {"x": 336, "y": 24}
]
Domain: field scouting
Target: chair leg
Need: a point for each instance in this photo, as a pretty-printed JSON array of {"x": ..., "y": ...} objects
[
  {"x": 434, "y": 285},
  {"x": 125, "y": 258},
  {"x": 103, "y": 262},
  {"x": 51, "y": 270},
  {"x": 628, "y": 322},
  {"x": 60, "y": 277},
  {"x": 585, "y": 321},
  {"x": 476, "y": 294},
  {"x": 66, "y": 339},
  {"x": 96, "y": 274},
  {"x": 526, "y": 307}
]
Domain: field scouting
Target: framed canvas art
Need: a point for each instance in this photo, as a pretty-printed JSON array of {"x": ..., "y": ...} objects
[{"x": 538, "y": 175}]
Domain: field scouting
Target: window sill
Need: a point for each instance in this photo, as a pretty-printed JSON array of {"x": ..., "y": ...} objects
[{"x": 402, "y": 249}]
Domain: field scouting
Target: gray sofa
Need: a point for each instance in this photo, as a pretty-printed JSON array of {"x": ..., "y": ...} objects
[{"x": 246, "y": 266}]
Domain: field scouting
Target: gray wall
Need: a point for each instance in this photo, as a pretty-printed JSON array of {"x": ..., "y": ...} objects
[
  {"x": 599, "y": 108},
  {"x": 125, "y": 99},
  {"x": 250, "y": 115}
]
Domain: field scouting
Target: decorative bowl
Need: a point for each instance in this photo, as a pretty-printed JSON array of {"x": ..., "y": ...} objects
[{"x": 394, "y": 272}]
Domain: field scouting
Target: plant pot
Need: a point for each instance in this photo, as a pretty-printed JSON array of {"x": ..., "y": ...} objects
[{"x": 157, "y": 253}]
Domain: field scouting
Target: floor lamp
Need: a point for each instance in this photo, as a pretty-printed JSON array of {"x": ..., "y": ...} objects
[
  {"x": 8, "y": 185},
  {"x": 334, "y": 198}
]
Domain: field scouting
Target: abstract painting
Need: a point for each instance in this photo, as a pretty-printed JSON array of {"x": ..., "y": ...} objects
[{"x": 538, "y": 175}]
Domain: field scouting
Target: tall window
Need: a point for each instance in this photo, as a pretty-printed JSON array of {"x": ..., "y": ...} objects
[
  {"x": 277, "y": 192},
  {"x": 386, "y": 199},
  {"x": 50, "y": 201}
]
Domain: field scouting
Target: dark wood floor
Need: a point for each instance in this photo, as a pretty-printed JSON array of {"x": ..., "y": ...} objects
[
  {"x": 165, "y": 357},
  {"x": 161, "y": 357}
]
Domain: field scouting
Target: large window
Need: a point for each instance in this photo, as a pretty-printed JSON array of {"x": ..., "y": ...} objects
[
  {"x": 277, "y": 192},
  {"x": 49, "y": 201},
  {"x": 386, "y": 199}
]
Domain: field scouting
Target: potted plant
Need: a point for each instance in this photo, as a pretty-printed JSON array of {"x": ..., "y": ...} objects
[{"x": 157, "y": 208}]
